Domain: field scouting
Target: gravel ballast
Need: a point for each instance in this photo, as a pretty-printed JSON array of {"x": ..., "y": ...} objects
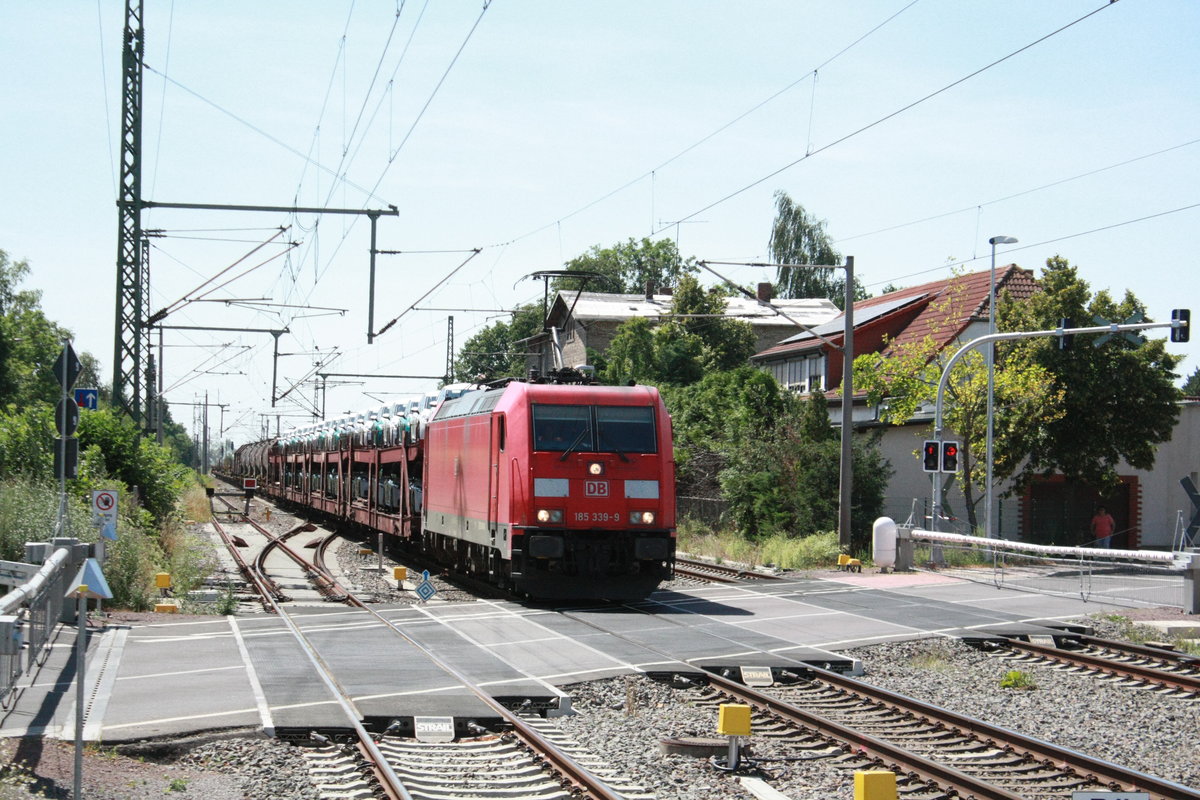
[{"x": 1131, "y": 726}]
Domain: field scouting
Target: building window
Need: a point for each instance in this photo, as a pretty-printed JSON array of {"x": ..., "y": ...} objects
[{"x": 816, "y": 373}]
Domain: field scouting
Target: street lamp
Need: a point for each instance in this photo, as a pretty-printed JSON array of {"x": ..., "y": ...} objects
[{"x": 991, "y": 357}]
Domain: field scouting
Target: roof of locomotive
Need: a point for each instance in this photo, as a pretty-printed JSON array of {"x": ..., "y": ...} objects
[{"x": 507, "y": 397}]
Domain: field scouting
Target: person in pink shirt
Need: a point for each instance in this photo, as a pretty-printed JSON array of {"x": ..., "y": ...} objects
[{"x": 1102, "y": 527}]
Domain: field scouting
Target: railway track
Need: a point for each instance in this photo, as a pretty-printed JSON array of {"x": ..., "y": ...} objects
[
  {"x": 522, "y": 754},
  {"x": 717, "y": 573},
  {"x": 1165, "y": 671},
  {"x": 935, "y": 753},
  {"x": 257, "y": 572}
]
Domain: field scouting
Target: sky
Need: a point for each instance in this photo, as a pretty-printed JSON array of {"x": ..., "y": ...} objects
[{"x": 533, "y": 130}]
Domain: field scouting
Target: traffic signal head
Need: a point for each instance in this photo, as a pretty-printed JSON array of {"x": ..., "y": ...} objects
[
  {"x": 949, "y": 456},
  {"x": 1182, "y": 332},
  {"x": 929, "y": 456}
]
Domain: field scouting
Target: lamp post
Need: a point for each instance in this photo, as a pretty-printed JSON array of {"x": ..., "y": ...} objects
[{"x": 991, "y": 376}]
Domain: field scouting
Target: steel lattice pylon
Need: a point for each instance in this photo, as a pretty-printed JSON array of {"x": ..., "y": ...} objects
[{"x": 128, "y": 354}]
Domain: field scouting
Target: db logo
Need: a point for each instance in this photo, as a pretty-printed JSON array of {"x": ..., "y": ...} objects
[{"x": 595, "y": 488}]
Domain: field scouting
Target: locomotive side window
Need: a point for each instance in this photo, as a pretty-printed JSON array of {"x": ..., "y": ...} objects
[
  {"x": 625, "y": 429},
  {"x": 562, "y": 428}
]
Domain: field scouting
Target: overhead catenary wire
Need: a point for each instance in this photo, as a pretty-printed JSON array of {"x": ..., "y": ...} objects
[
  {"x": 1021, "y": 193},
  {"x": 392, "y": 155},
  {"x": 269, "y": 137},
  {"x": 465, "y": 261},
  {"x": 890, "y": 115},
  {"x": 188, "y": 297},
  {"x": 721, "y": 129},
  {"x": 1043, "y": 243}
]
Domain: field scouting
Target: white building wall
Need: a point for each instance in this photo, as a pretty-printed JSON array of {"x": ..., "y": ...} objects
[{"x": 1162, "y": 497}]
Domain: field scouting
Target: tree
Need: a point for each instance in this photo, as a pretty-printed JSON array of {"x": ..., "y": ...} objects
[
  {"x": 772, "y": 456},
  {"x": 111, "y": 446},
  {"x": 1119, "y": 398},
  {"x": 697, "y": 339},
  {"x": 629, "y": 266},
  {"x": 1191, "y": 388},
  {"x": 495, "y": 351},
  {"x": 631, "y": 355},
  {"x": 718, "y": 409},
  {"x": 904, "y": 379},
  {"x": 29, "y": 343},
  {"x": 798, "y": 238},
  {"x": 787, "y": 482}
]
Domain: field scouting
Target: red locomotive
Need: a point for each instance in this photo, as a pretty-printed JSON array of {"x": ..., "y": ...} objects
[{"x": 550, "y": 490}]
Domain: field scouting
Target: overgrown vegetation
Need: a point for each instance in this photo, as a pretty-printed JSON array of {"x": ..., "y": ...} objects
[
  {"x": 933, "y": 659},
  {"x": 1131, "y": 631},
  {"x": 816, "y": 551},
  {"x": 1017, "y": 679},
  {"x": 113, "y": 454}
]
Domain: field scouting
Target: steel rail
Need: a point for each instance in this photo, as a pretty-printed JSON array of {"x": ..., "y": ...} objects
[
  {"x": 265, "y": 587},
  {"x": 571, "y": 771},
  {"x": 1099, "y": 770},
  {"x": 877, "y": 749},
  {"x": 1171, "y": 656},
  {"x": 321, "y": 578},
  {"x": 703, "y": 575},
  {"x": 719, "y": 572},
  {"x": 1186, "y": 683},
  {"x": 319, "y": 563},
  {"x": 389, "y": 781}
]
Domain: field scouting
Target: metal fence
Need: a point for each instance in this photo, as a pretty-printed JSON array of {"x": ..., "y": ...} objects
[
  {"x": 712, "y": 511},
  {"x": 29, "y": 613},
  {"x": 1133, "y": 578}
]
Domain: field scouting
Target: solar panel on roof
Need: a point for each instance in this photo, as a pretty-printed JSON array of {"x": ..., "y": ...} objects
[{"x": 861, "y": 316}]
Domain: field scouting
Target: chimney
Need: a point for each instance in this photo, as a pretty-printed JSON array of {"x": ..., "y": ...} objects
[
  {"x": 764, "y": 292},
  {"x": 649, "y": 290}
]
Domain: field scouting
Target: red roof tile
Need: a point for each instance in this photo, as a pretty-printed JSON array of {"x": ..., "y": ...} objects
[{"x": 950, "y": 305}]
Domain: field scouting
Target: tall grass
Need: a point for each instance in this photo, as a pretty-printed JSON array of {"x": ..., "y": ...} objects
[
  {"x": 28, "y": 513},
  {"x": 194, "y": 505},
  {"x": 816, "y": 551}
]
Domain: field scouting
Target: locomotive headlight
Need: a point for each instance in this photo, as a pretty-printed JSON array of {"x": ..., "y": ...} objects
[
  {"x": 553, "y": 515},
  {"x": 641, "y": 517},
  {"x": 596, "y": 468}
]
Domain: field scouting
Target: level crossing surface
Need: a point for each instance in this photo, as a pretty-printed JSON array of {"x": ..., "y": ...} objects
[{"x": 179, "y": 675}]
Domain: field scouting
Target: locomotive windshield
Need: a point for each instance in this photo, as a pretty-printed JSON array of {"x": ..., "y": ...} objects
[{"x": 594, "y": 429}]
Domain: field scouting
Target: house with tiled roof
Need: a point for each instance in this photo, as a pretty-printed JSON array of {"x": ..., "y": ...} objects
[
  {"x": 583, "y": 320},
  {"x": 952, "y": 312},
  {"x": 949, "y": 310}
]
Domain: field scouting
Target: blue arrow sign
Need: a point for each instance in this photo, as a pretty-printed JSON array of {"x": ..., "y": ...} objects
[{"x": 87, "y": 398}]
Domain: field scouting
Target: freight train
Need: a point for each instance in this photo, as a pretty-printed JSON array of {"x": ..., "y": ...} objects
[{"x": 549, "y": 490}]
